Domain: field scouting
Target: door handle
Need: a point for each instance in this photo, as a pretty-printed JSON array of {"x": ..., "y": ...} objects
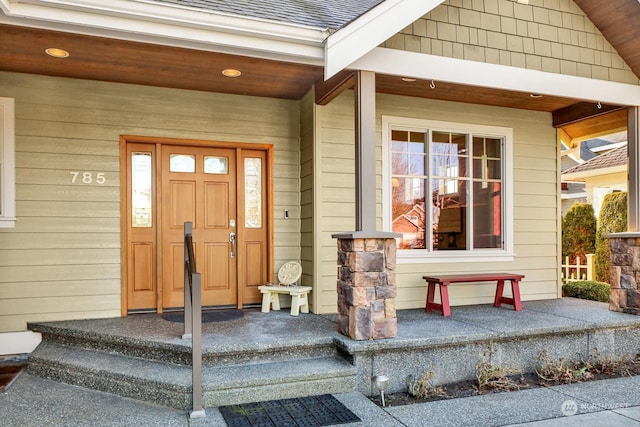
[{"x": 232, "y": 239}]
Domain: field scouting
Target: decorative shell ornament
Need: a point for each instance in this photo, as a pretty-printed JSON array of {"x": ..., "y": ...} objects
[{"x": 289, "y": 273}]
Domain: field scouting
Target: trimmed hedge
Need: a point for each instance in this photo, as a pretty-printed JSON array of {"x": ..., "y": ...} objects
[
  {"x": 613, "y": 219},
  {"x": 587, "y": 289},
  {"x": 579, "y": 232}
]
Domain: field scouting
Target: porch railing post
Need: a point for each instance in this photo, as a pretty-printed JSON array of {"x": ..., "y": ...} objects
[
  {"x": 188, "y": 229},
  {"x": 193, "y": 321},
  {"x": 196, "y": 349}
]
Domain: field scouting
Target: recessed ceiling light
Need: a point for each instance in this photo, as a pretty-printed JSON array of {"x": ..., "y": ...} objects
[
  {"x": 231, "y": 72},
  {"x": 535, "y": 95},
  {"x": 408, "y": 79},
  {"x": 56, "y": 52}
]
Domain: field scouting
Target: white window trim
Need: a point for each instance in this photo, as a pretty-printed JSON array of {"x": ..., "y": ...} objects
[
  {"x": 7, "y": 163},
  {"x": 415, "y": 256}
]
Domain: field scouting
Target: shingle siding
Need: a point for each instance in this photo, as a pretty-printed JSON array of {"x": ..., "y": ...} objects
[{"x": 551, "y": 35}]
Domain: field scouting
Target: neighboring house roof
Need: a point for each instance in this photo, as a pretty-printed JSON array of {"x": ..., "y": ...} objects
[
  {"x": 586, "y": 148},
  {"x": 327, "y": 14},
  {"x": 609, "y": 162},
  {"x": 414, "y": 216}
]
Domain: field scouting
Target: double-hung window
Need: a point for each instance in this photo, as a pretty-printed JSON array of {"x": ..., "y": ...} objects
[{"x": 447, "y": 190}]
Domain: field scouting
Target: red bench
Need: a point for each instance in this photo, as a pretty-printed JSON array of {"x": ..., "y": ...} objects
[{"x": 443, "y": 281}]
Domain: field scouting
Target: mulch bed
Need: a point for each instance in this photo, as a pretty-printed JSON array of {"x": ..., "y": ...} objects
[{"x": 525, "y": 381}]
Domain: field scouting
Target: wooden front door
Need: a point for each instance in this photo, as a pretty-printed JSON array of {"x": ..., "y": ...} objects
[
  {"x": 223, "y": 192},
  {"x": 199, "y": 185}
]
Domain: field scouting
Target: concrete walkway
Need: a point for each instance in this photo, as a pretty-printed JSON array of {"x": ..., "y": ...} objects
[{"x": 34, "y": 401}]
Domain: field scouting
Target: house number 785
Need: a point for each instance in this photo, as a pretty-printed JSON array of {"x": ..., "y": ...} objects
[{"x": 79, "y": 177}]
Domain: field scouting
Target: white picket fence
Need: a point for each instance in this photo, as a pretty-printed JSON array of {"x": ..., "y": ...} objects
[{"x": 577, "y": 271}]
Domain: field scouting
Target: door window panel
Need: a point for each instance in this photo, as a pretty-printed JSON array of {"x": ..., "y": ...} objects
[
  {"x": 182, "y": 163},
  {"x": 141, "y": 190},
  {"x": 216, "y": 165}
]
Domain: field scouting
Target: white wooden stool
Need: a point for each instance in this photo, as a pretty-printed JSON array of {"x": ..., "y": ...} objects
[{"x": 299, "y": 298}]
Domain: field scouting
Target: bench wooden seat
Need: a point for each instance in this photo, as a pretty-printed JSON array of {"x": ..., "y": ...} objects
[
  {"x": 443, "y": 282},
  {"x": 299, "y": 298}
]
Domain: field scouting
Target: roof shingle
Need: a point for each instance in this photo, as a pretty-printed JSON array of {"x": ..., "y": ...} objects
[
  {"x": 616, "y": 157},
  {"x": 325, "y": 14}
]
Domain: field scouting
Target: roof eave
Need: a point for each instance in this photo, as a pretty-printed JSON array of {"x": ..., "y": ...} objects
[
  {"x": 172, "y": 26},
  {"x": 363, "y": 34},
  {"x": 580, "y": 176}
]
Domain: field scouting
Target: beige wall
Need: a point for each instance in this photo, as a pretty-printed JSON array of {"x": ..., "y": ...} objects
[
  {"x": 307, "y": 111},
  {"x": 62, "y": 260},
  {"x": 547, "y": 35},
  {"x": 597, "y": 186},
  {"x": 535, "y": 201}
]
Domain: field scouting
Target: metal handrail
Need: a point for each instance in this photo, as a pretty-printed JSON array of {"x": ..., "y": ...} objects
[{"x": 193, "y": 320}]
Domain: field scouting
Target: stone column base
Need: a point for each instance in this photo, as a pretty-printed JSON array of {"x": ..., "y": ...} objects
[
  {"x": 367, "y": 285},
  {"x": 624, "y": 273}
]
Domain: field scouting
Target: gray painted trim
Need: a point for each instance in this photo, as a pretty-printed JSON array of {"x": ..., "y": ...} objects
[
  {"x": 633, "y": 198},
  {"x": 365, "y": 106},
  {"x": 366, "y": 235},
  {"x": 627, "y": 235}
]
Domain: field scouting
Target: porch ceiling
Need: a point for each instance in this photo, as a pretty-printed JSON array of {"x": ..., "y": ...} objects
[{"x": 105, "y": 59}]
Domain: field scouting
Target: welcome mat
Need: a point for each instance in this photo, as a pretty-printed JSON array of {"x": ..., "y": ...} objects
[
  {"x": 313, "y": 411},
  {"x": 209, "y": 316}
]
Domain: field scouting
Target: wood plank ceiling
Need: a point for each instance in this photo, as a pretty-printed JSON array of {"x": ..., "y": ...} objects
[{"x": 97, "y": 58}]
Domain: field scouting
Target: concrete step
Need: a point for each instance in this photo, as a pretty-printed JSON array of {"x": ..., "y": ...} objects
[
  {"x": 178, "y": 351},
  {"x": 169, "y": 384}
]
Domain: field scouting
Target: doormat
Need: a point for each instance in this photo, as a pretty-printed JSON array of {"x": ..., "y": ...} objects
[
  {"x": 9, "y": 373},
  {"x": 312, "y": 411},
  {"x": 209, "y": 316}
]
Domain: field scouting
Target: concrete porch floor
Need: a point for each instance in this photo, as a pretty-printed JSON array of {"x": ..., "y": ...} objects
[
  {"x": 33, "y": 401},
  {"x": 255, "y": 330}
]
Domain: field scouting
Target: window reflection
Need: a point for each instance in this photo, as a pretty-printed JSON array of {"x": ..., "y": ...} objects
[{"x": 463, "y": 173}]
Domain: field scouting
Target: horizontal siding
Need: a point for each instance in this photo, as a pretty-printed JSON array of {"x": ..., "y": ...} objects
[
  {"x": 307, "y": 176},
  {"x": 534, "y": 204},
  {"x": 17, "y": 322},
  {"x": 56, "y": 288},
  {"x": 30, "y": 257},
  {"x": 66, "y": 243},
  {"x": 58, "y": 240}
]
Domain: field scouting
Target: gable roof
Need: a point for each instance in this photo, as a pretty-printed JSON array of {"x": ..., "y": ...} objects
[{"x": 326, "y": 14}]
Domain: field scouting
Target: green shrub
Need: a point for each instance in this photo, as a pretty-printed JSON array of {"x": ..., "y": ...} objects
[
  {"x": 587, "y": 289},
  {"x": 578, "y": 232},
  {"x": 613, "y": 219}
]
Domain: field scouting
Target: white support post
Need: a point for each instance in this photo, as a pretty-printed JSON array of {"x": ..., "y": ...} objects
[{"x": 365, "y": 115}]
